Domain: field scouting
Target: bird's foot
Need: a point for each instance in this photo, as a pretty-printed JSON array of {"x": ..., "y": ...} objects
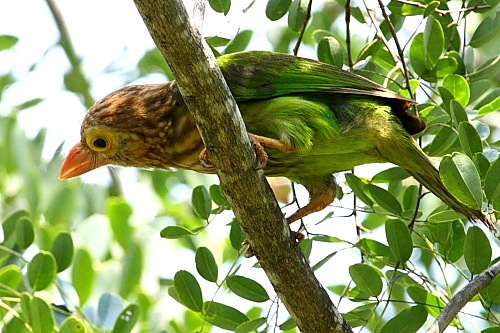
[
  {"x": 322, "y": 192},
  {"x": 205, "y": 159},
  {"x": 249, "y": 253},
  {"x": 258, "y": 142}
]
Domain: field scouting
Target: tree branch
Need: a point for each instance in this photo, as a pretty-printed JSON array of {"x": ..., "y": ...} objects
[
  {"x": 213, "y": 109},
  {"x": 463, "y": 297}
]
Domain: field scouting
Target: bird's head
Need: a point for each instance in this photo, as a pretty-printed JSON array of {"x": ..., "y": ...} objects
[{"x": 134, "y": 126}]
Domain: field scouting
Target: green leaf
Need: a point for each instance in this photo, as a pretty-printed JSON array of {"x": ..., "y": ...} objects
[
  {"x": 288, "y": 324},
  {"x": 132, "y": 268},
  {"x": 469, "y": 139},
  {"x": 83, "y": 275},
  {"x": 72, "y": 325},
  {"x": 360, "y": 315},
  {"x": 330, "y": 51},
  {"x": 384, "y": 199},
  {"x": 127, "y": 319},
  {"x": 25, "y": 233},
  {"x": 202, "y": 202},
  {"x": 236, "y": 234},
  {"x": 407, "y": 321},
  {"x": 297, "y": 14},
  {"x": 482, "y": 165},
  {"x": 223, "y": 316},
  {"x": 239, "y": 42},
  {"x": 367, "y": 278},
  {"x": 276, "y": 9},
  {"x": 10, "y": 280},
  {"x": 7, "y": 42},
  {"x": 357, "y": 187},
  {"x": 375, "y": 249},
  {"x": 417, "y": 55},
  {"x": 218, "y": 195},
  {"x": 494, "y": 290},
  {"x": 444, "y": 216},
  {"x": 247, "y": 288},
  {"x": 492, "y": 106},
  {"x": 455, "y": 250},
  {"x": 175, "y": 231},
  {"x": 16, "y": 325},
  {"x": 460, "y": 176},
  {"x": 486, "y": 31},
  {"x": 492, "y": 181},
  {"x": 189, "y": 290},
  {"x": 477, "y": 250},
  {"x": 433, "y": 42},
  {"x": 443, "y": 140},
  {"x": 220, "y": 6},
  {"x": 399, "y": 239},
  {"x": 430, "y": 8},
  {"x": 358, "y": 14},
  {"x": 41, "y": 316},
  {"x": 458, "y": 114},
  {"x": 119, "y": 212},
  {"x": 63, "y": 251},
  {"x": 251, "y": 325},
  {"x": 41, "y": 270},
  {"x": 389, "y": 175},
  {"x": 459, "y": 87},
  {"x": 206, "y": 265}
]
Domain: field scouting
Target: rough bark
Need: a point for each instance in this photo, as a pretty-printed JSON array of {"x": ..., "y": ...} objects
[{"x": 215, "y": 112}]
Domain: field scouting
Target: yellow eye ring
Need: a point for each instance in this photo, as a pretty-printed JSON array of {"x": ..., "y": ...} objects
[{"x": 98, "y": 142}]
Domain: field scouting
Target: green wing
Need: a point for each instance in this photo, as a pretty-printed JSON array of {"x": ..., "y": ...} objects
[{"x": 260, "y": 75}]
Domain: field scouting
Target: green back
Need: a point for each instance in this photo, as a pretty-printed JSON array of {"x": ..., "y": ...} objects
[{"x": 260, "y": 74}]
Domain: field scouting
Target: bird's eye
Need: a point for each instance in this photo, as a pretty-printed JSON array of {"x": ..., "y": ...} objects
[{"x": 98, "y": 142}]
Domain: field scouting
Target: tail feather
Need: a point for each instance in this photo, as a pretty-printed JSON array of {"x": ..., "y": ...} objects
[{"x": 429, "y": 177}]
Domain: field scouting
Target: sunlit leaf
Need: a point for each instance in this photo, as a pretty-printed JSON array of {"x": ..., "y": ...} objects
[
  {"x": 458, "y": 86},
  {"x": 460, "y": 176},
  {"x": 41, "y": 270}
]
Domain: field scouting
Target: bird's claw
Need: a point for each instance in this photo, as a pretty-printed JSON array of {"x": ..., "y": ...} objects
[
  {"x": 205, "y": 159},
  {"x": 260, "y": 152},
  {"x": 249, "y": 253}
]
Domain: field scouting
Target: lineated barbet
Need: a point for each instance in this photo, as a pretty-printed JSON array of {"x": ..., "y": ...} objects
[{"x": 313, "y": 120}]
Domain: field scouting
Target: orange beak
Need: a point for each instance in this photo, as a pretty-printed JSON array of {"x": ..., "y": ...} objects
[{"x": 79, "y": 161}]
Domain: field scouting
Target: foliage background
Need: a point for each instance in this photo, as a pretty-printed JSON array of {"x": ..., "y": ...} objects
[{"x": 131, "y": 242}]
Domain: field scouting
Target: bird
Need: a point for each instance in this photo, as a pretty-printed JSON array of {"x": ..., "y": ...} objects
[{"x": 308, "y": 120}]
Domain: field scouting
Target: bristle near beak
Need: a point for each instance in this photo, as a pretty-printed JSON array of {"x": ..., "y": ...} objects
[{"x": 79, "y": 161}]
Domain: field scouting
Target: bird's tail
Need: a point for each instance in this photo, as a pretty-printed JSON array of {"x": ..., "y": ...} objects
[{"x": 428, "y": 176}]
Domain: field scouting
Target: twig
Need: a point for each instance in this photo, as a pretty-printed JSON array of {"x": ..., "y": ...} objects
[
  {"x": 463, "y": 297},
  {"x": 348, "y": 32},
  {"x": 70, "y": 52},
  {"x": 303, "y": 30},
  {"x": 444, "y": 12}
]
